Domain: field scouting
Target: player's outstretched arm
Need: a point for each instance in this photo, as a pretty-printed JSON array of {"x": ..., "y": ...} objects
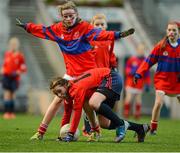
[{"x": 37, "y": 30}]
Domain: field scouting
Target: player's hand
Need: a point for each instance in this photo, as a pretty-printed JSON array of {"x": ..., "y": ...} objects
[
  {"x": 20, "y": 23},
  {"x": 69, "y": 137},
  {"x": 127, "y": 33},
  {"x": 136, "y": 78}
]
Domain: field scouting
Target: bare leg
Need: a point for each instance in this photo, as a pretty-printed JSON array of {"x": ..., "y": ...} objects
[
  {"x": 104, "y": 122},
  {"x": 156, "y": 111},
  {"x": 127, "y": 102},
  {"x": 138, "y": 101}
]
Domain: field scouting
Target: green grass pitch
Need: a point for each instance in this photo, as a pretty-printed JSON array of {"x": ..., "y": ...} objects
[{"x": 15, "y": 134}]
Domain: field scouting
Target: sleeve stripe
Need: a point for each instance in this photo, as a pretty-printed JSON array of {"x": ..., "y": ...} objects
[
  {"x": 91, "y": 32},
  {"x": 44, "y": 31},
  {"x": 97, "y": 33},
  {"x": 117, "y": 34},
  {"x": 148, "y": 61},
  {"x": 53, "y": 34}
]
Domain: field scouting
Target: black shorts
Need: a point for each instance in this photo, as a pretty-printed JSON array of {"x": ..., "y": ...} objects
[
  {"x": 111, "y": 96},
  {"x": 9, "y": 83},
  {"x": 111, "y": 87}
]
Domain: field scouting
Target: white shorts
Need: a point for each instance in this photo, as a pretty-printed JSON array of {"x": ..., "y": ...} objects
[
  {"x": 133, "y": 90},
  {"x": 170, "y": 95}
]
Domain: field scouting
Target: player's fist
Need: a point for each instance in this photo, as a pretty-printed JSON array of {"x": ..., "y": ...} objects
[
  {"x": 20, "y": 23},
  {"x": 136, "y": 78},
  {"x": 127, "y": 33}
]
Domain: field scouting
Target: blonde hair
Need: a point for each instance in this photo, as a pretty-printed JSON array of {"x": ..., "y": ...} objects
[
  {"x": 67, "y": 5},
  {"x": 14, "y": 40},
  {"x": 98, "y": 16}
]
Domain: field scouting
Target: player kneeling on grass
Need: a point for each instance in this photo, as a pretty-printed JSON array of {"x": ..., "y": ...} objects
[{"x": 110, "y": 86}]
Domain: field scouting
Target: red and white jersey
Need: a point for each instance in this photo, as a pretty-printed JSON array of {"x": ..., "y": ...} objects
[
  {"x": 168, "y": 67},
  {"x": 132, "y": 65},
  {"x": 14, "y": 62}
]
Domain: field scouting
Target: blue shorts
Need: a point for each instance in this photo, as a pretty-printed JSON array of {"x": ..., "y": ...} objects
[
  {"x": 9, "y": 83},
  {"x": 111, "y": 86}
]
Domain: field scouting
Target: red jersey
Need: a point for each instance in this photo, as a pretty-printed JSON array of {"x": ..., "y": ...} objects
[
  {"x": 14, "y": 63},
  {"x": 74, "y": 43},
  {"x": 105, "y": 56},
  {"x": 132, "y": 65},
  {"x": 168, "y": 67},
  {"x": 78, "y": 90}
]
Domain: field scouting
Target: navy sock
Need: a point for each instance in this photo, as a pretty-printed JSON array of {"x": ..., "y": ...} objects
[
  {"x": 86, "y": 124},
  {"x": 134, "y": 126},
  {"x": 11, "y": 106},
  {"x": 7, "y": 105},
  {"x": 107, "y": 112},
  {"x": 112, "y": 126}
]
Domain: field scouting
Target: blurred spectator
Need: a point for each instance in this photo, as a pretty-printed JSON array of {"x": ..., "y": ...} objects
[
  {"x": 12, "y": 68},
  {"x": 132, "y": 91}
]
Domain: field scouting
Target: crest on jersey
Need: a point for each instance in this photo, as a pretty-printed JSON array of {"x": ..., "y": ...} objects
[
  {"x": 76, "y": 35},
  {"x": 165, "y": 53},
  {"x": 62, "y": 36}
]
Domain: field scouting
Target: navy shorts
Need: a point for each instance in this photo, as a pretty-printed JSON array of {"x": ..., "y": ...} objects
[
  {"x": 9, "y": 83},
  {"x": 111, "y": 87}
]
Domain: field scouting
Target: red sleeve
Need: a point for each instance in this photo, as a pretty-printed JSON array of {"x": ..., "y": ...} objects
[
  {"x": 113, "y": 60},
  {"x": 68, "y": 106},
  {"x": 77, "y": 110},
  {"x": 149, "y": 61},
  {"x": 41, "y": 31},
  {"x": 94, "y": 34}
]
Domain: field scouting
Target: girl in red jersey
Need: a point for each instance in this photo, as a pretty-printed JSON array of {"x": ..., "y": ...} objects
[
  {"x": 108, "y": 86},
  {"x": 13, "y": 66},
  {"x": 135, "y": 91},
  {"x": 104, "y": 57},
  {"x": 167, "y": 77},
  {"x": 73, "y": 36}
]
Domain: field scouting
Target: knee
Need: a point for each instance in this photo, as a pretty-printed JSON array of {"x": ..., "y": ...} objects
[{"x": 92, "y": 104}]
